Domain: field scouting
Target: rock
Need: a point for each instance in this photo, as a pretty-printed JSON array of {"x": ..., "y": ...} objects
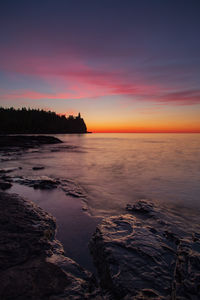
[
  {"x": 44, "y": 182},
  {"x": 72, "y": 189},
  {"x": 38, "y": 168},
  {"x": 9, "y": 170},
  {"x": 6, "y": 177},
  {"x": 147, "y": 255},
  {"x": 39, "y": 182},
  {"x": 32, "y": 261},
  {"x": 187, "y": 271},
  {"x": 4, "y": 185},
  {"x": 26, "y": 141},
  {"x": 142, "y": 206}
]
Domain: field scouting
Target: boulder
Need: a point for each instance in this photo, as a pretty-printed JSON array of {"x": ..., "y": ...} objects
[
  {"x": 147, "y": 254},
  {"x": 32, "y": 262}
]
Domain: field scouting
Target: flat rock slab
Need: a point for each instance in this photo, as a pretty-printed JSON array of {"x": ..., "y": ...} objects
[
  {"x": 26, "y": 141},
  {"x": 47, "y": 183},
  {"x": 32, "y": 262},
  {"x": 147, "y": 255},
  {"x": 39, "y": 182}
]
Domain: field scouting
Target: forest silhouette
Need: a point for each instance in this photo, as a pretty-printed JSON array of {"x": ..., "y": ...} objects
[{"x": 25, "y": 121}]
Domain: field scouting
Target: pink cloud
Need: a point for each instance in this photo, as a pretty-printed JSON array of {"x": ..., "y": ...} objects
[
  {"x": 28, "y": 94},
  {"x": 187, "y": 97},
  {"x": 79, "y": 80}
]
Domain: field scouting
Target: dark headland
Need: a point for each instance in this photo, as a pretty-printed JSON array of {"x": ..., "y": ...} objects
[{"x": 35, "y": 121}]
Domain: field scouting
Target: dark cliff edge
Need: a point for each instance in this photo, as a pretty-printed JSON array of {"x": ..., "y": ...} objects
[{"x": 35, "y": 121}]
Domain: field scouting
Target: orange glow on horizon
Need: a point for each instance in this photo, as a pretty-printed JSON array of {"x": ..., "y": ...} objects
[
  {"x": 162, "y": 123},
  {"x": 144, "y": 129}
]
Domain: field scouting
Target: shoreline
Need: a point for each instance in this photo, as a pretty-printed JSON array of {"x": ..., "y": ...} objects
[
  {"x": 33, "y": 264},
  {"x": 134, "y": 253},
  {"x": 73, "y": 215},
  {"x": 59, "y": 192}
]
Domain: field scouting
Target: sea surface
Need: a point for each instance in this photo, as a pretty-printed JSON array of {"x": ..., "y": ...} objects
[{"x": 111, "y": 170}]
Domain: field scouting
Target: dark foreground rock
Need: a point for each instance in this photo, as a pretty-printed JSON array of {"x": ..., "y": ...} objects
[
  {"x": 32, "y": 261},
  {"x": 147, "y": 254},
  {"x": 24, "y": 141},
  {"x": 5, "y": 185},
  {"x": 5, "y": 181}
]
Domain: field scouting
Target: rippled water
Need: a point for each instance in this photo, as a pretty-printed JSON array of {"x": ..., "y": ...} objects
[{"x": 113, "y": 170}]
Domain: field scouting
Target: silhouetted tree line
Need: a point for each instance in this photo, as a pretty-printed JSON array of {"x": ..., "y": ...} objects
[{"x": 38, "y": 121}]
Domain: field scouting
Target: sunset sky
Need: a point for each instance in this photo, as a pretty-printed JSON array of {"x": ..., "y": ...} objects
[{"x": 127, "y": 66}]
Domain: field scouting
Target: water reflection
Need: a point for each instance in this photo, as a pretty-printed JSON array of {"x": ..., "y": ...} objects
[
  {"x": 115, "y": 169},
  {"x": 75, "y": 228}
]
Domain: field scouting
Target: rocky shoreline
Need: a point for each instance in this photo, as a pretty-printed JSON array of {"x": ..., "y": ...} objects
[
  {"x": 144, "y": 254},
  {"x": 147, "y": 254},
  {"x": 26, "y": 141},
  {"x": 33, "y": 264}
]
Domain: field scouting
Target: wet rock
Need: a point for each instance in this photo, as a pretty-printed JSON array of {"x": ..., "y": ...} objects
[
  {"x": 32, "y": 261},
  {"x": 44, "y": 182},
  {"x": 8, "y": 170},
  {"x": 5, "y": 177},
  {"x": 41, "y": 182},
  {"x": 36, "y": 168},
  {"x": 187, "y": 271},
  {"x": 5, "y": 159},
  {"x": 141, "y": 206},
  {"x": 140, "y": 257},
  {"x": 72, "y": 189},
  {"x": 26, "y": 141},
  {"x": 4, "y": 185}
]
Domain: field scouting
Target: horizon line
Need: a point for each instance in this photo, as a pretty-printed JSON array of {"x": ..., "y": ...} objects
[{"x": 189, "y": 132}]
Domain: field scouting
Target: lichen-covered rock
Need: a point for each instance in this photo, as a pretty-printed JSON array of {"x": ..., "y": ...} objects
[
  {"x": 32, "y": 262},
  {"x": 147, "y": 255}
]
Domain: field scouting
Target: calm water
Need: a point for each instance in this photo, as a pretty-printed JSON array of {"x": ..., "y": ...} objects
[{"x": 113, "y": 170}]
